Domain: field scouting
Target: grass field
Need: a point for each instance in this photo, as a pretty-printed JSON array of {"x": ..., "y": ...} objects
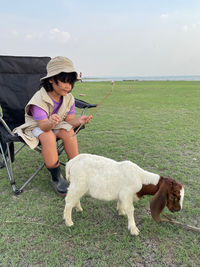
[{"x": 154, "y": 124}]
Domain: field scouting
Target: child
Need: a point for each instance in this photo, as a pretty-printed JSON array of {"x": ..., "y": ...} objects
[{"x": 51, "y": 113}]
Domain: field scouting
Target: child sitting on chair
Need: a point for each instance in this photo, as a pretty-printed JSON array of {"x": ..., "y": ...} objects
[{"x": 51, "y": 113}]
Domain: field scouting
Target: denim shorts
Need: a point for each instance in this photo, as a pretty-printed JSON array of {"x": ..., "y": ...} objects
[{"x": 37, "y": 131}]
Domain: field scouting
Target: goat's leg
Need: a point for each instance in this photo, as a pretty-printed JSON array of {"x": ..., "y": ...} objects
[
  {"x": 131, "y": 222},
  {"x": 127, "y": 205},
  {"x": 78, "y": 206},
  {"x": 119, "y": 208},
  {"x": 68, "y": 214},
  {"x": 72, "y": 200}
]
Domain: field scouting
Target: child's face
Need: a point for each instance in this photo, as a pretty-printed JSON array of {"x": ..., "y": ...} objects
[{"x": 62, "y": 88}]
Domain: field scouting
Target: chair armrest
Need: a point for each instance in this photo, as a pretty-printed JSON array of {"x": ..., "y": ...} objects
[{"x": 82, "y": 104}]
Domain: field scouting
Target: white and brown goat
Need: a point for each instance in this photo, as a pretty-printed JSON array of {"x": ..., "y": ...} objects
[{"x": 106, "y": 179}]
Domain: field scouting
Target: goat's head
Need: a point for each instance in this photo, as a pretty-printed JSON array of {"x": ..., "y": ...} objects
[{"x": 170, "y": 194}]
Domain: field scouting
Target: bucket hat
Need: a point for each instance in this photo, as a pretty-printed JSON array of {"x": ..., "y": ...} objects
[{"x": 57, "y": 65}]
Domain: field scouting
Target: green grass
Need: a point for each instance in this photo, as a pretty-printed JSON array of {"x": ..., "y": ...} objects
[{"x": 154, "y": 124}]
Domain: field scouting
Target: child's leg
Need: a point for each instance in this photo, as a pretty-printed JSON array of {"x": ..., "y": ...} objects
[
  {"x": 49, "y": 149},
  {"x": 50, "y": 156},
  {"x": 70, "y": 142}
]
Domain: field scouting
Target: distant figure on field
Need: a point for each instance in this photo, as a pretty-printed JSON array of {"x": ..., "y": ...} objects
[{"x": 80, "y": 77}]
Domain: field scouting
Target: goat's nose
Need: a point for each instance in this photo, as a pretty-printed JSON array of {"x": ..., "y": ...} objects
[{"x": 174, "y": 209}]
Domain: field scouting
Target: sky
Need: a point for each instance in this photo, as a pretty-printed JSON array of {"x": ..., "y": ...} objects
[{"x": 106, "y": 37}]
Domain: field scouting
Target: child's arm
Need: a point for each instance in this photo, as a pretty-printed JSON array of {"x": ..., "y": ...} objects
[
  {"x": 41, "y": 117},
  {"x": 48, "y": 124},
  {"x": 75, "y": 122}
]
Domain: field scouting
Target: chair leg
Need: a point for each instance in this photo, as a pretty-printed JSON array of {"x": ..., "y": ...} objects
[
  {"x": 1, "y": 161},
  {"x": 8, "y": 165},
  {"x": 7, "y": 162},
  {"x": 31, "y": 177}
]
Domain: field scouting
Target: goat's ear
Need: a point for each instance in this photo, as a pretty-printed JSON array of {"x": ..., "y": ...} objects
[{"x": 158, "y": 202}]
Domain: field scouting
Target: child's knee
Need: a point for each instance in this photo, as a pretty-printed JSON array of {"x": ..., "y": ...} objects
[
  {"x": 47, "y": 137},
  {"x": 64, "y": 134}
]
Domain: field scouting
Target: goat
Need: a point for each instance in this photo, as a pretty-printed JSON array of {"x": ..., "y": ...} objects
[{"x": 106, "y": 179}]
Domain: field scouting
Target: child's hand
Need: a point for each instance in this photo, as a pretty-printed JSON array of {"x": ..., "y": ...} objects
[
  {"x": 54, "y": 119},
  {"x": 85, "y": 119}
]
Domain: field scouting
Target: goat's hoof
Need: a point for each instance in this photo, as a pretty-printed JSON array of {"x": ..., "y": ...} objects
[
  {"x": 69, "y": 223},
  {"x": 134, "y": 231},
  {"x": 121, "y": 213},
  {"x": 78, "y": 209}
]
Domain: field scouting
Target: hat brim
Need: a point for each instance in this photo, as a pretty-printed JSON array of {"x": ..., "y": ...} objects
[{"x": 56, "y": 73}]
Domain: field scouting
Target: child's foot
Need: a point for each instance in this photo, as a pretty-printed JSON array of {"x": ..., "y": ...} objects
[
  {"x": 61, "y": 186},
  {"x": 59, "y": 183}
]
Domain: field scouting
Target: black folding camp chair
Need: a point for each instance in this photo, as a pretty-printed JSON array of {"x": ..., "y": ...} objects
[{"x": 19, "y": 80}]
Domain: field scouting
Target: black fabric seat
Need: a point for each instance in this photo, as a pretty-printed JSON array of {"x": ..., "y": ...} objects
[{"x": 19, "y": 80}]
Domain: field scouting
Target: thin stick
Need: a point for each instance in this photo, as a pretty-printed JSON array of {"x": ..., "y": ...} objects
[
  {"x": 98, "y": 105},
  {"x": 186, "y": 226}
]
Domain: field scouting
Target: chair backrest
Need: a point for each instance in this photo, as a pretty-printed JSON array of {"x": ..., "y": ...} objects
[{"x": 19, "y": 80}]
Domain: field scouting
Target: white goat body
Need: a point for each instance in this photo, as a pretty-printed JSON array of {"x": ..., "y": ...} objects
[{"x": 105, "y": 179}]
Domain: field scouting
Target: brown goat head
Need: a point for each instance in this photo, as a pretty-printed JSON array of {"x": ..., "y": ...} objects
[{"x": 170, "y": 194}]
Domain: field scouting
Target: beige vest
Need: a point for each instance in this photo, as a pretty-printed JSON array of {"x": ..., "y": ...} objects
[{"x": 42, "y": 100}]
